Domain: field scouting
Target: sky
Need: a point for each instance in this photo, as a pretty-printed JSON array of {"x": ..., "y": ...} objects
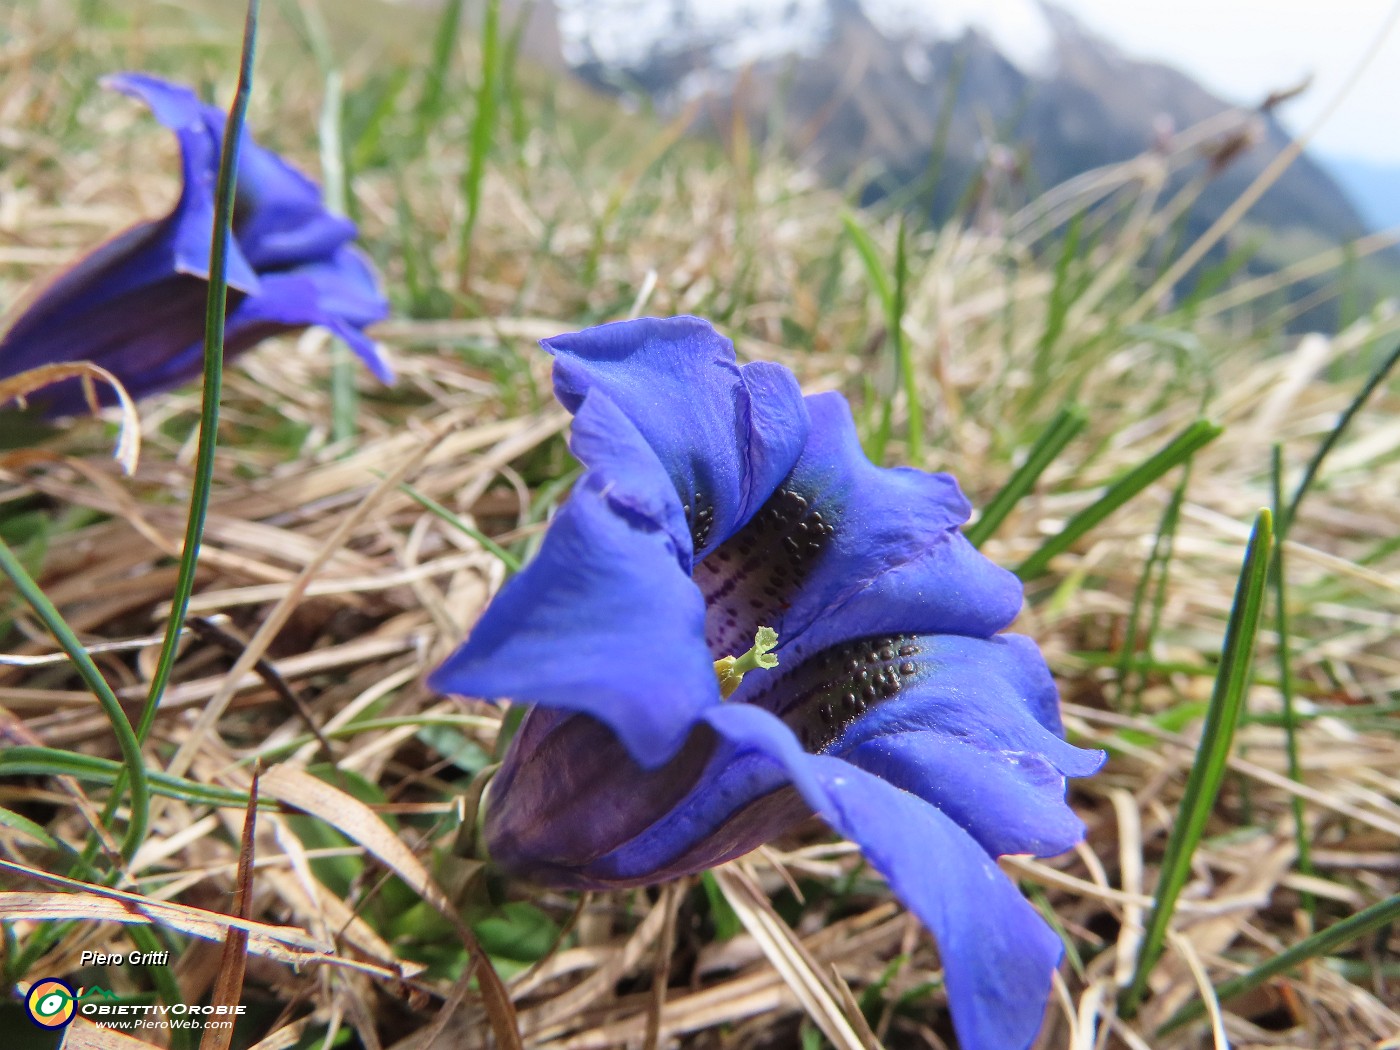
[{"x": 1243, "y": 49}]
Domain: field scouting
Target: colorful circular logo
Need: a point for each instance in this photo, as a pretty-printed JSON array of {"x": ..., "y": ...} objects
[{"x": 50, "y": 1002}]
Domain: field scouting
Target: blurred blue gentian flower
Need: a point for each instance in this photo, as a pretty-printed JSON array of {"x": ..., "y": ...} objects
[
  {"x": 718, "y": 501},
  {"x": 135, "y": 305}
]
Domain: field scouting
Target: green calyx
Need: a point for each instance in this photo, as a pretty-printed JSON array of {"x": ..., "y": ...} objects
[{"x": 731, "y": 670}]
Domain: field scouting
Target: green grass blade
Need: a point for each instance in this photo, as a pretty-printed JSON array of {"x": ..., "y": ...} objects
[
  {"x": 1068, "y": 422},
  {"x": 870, "y": 257},
  {"x": 1158, "y": 564},
  {"x": 904, "y": 360},
  {"x": 1217, "y": 736},
  {"x": 1373, "y": 383},
  {"x": 430, "y": 102},
  {"x": 509, "y": 560},
  {"x": 1376, "y": 917},
  {"x": 483, "y": 133},
  {"x": 26, "y": 827},
  {"x": 345, "y": 405},
  {"x": 132, "y": 766},
  {"x": 1179, "y": 450},
  {"x": 1062, "y": 297},
  {"x": 25, "y": 760}
]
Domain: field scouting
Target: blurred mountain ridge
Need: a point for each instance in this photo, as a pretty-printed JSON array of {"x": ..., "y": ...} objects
[{"x": 939, "y": 96}]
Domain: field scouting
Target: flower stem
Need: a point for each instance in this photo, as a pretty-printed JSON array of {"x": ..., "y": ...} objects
[{"x": 216, "y": 306}]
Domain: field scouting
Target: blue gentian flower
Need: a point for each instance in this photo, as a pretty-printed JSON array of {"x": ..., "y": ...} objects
[
  {"x": 135, "y": 305},
  {"x": 720, "y": 506}
]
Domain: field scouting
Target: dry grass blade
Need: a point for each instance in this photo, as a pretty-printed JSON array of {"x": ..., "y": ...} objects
[
  {"x": 128, "y": 449},
  {"x": 277, "y": 618},
  {"x": 791, "y": 958},
  {"x": 358, "y": 822},
  {"x": 619, "y": 961},
  {"x": 661, "y": 970},
  {"x": 354, "y": 819},
  {"x": 284, "y": 943},
  {"x": 1198, "y": 973}
]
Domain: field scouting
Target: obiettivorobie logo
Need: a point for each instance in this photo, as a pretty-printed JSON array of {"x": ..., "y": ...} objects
[{"x": 52, "y": 1003}]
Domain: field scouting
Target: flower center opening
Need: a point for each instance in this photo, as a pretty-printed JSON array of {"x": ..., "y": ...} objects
[{"x": 753, "y": 576}]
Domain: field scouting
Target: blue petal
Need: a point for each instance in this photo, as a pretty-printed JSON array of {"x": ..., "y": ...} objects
[
  {"x": 135, "y": 258},
  {"x": 144, "y": 338},
  {"x": 989, "y": 693},
  {"x": 998, "y": 953},
  {"x": 636, "y": 481},
  {"x": 603, "y": 621},
  {"x": 135, "y": 305},
  {"x": 1010, "y": 802},
  {"x": 741, "y": 800},
  {"x": 283, "y": 219},
  {"x": 280, "y": 216},
  {"x": 725, "y": 435},
  {"x": 954, "y": 720},
  {"x": 339, "y": 294},
  {"x": 192, "y": 221},
  {"x": 846, "y": 549}
]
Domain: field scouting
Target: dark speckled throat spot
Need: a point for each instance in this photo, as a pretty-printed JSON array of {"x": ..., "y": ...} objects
[
  {"x": 747, "y": 581},
  {"x": 700, "y": 518},
  {"x": 820, "y": 698}
]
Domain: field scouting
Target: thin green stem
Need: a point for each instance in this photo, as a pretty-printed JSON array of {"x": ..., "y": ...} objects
[
  {"x": 1161, "y": 555},
  {"x": 27, "y": 760},
  {"x": 214, "y": 316},
  {"x": 1279, "y": 580}
]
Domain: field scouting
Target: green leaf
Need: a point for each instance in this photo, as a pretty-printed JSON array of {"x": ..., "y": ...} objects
[
  {"x": 722, "y": 913},
  {"x": 870, "y": 257},
  {"x": 132, "y": 766},
  {"x": 430, "y": 102},
  {"x": 1217, "y": 737},
  {"x": 518, "y": 931},
  {"x": 509, "y": 560},
  {"x": 482, "y": 134}
]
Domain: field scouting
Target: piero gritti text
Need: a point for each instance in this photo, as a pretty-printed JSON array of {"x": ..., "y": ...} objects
[{"x": 90, "y": 958}]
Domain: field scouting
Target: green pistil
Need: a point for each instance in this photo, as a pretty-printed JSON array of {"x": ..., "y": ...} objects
[{"x": 731, "y": 670}]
